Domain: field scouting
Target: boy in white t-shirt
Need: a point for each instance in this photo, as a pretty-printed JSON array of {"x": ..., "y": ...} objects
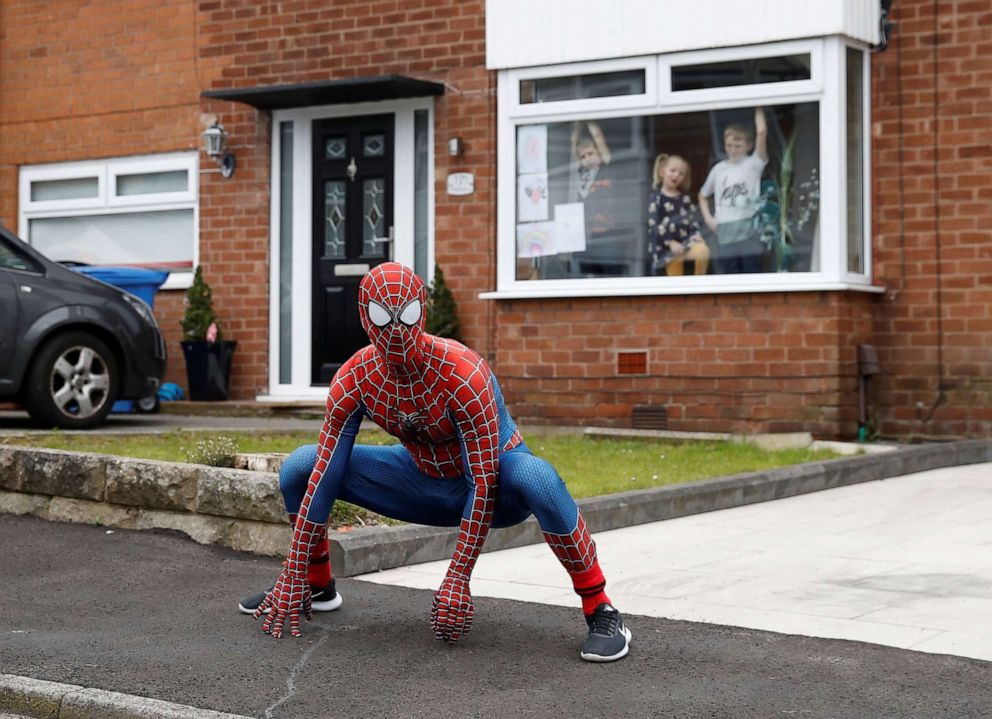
[{"x": 735, "y": 186}]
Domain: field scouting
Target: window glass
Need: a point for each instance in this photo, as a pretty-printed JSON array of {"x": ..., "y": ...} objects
[
  {"x": 72, "y": 189},
  {"x": 421, "y": 189},
  {"x": 580, "y": 87},
  {"x": 855, "y": 163},
  {"x": 285, "y": 252},
  {"x": 158, "y": 240},
  {"x": 619, "y": 197},
  {"x": 741, "y": 72},
  {"x": 147, "y": 183},
  {"x": 11, "y": 259}
]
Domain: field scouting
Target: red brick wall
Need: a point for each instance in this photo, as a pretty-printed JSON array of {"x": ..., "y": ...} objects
[
  {"x": 91, "y": 80},
  {"x": 933, "y": 252},
  {"x": 82, "y": 81},
  {"x": 781, "y": 362},
  {"x": 733, "y": 363},
  {"x": 244, "y": 43}
]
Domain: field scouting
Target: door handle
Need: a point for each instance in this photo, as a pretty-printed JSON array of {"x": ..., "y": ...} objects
[{"x": 387, "y": 238}]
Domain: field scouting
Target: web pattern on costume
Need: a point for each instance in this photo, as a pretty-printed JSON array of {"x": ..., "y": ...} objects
[
  {"x": 436, "y": 396},
  {"x": 577, "y": 553}
]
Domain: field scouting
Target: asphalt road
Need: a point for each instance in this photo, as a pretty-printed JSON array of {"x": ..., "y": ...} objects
[{"x": 154, "y": 614}]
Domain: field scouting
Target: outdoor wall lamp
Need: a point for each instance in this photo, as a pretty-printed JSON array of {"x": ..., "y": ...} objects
[
  {"x": 455, "y": 146},
  {"x": 215, "y": 145}
]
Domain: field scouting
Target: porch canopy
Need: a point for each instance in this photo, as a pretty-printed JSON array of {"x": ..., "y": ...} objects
[{"x": 329, "y": 92}]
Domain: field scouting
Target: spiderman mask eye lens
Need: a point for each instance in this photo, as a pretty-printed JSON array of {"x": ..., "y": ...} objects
[
  {"x": 379, "y": 315},
  {"x": 411, "y": 313}
]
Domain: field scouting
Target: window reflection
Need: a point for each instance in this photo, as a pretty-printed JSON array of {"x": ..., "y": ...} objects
[
  {"x": 741, "y": 72},
  {"x": 592, "y": 198},
  {"x": 578, "y": 87}
]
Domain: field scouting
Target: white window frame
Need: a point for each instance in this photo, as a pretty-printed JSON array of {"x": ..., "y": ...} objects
[
  {"x": 536, "y": 109},
  {"x": 107, "y": 202},
  {"x": 860, "y": 277},
  {"x": 825, "y": 86}
]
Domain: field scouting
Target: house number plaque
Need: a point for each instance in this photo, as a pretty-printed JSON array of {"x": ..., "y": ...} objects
[{"x": 461, "y": 183}]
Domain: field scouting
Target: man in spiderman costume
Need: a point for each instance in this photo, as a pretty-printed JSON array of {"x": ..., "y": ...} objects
[{"x": 461, "y": 462}]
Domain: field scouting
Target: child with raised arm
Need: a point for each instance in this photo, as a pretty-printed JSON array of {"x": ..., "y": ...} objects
[
  {"x": 735, "y": 186},
  {"x": 673, "y": 220}
]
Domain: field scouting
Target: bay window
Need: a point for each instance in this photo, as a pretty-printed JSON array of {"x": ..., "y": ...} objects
[{"x": 766, "y": 151}]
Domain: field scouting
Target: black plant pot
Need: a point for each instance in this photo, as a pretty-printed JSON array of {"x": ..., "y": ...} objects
[{"x": 208, "y": 367}]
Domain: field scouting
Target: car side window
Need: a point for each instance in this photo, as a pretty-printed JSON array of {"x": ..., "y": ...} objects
[{"x": 11, "y": 259}]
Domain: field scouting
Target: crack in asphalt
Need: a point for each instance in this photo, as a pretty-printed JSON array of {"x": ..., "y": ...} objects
[{"x": 291, "y": 679}]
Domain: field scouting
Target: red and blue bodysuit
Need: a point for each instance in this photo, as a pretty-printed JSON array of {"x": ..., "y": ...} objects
[{"x": 461, "y": 461}]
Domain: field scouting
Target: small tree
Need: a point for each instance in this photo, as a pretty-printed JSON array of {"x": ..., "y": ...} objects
[
  {"x": 442, "y": 313},
  {"x": 200, "y": 316}
]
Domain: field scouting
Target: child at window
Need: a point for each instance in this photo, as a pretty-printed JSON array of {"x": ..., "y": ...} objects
[
  {"x": 595, "y": 182},
  {"x": 735, "y": 186},
  {"x": 673, "y": 220}
]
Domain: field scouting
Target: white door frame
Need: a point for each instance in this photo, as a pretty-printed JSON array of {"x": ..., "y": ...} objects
[{"x": 299, "y": 388}]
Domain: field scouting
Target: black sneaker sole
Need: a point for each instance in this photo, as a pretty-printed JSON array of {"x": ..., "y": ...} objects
[
  {"x": 318, "y": 606},
  {"x": 613, "y": 657}
]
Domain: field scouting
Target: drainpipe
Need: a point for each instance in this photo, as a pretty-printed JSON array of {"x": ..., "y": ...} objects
[{"x": 867, "y": 366}]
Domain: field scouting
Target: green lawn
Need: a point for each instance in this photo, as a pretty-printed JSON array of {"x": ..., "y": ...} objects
[{"x": 590, "y": 466}]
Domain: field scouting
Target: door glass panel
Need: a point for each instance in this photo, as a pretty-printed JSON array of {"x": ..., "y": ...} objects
[
  {"x": 285, "y": 252},
  {"x": 334, "y": 214},
  {"x": 373, "y": 215},
  {"x": 374, "y": 146},
  {"x": 335, "y": 148},
  {"x": 421, "y": 166}
]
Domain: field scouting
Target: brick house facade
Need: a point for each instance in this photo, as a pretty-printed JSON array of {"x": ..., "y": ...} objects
[{"x": 100, "y": 80}]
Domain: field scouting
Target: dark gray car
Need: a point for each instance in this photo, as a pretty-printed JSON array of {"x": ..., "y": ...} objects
[{"x": 71, "y": 345}]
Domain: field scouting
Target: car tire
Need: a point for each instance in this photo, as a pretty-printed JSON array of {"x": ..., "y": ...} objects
[
  {"x": 73, "y": 382},
  {"x": 148, "y": 404}
]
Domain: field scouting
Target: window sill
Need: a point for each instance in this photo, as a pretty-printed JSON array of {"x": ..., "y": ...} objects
[{"x": 708, "y": 288}]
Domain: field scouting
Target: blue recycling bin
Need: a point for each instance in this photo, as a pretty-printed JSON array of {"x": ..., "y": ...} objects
[{"x": 136, "y": 280}]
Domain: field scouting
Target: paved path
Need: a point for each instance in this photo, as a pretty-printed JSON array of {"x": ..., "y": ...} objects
[
  {"x": 153, "y": 614},
  {"x": 904, "y": 562}
]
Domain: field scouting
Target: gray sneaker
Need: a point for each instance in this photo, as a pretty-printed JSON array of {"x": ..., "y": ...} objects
[
  {"x": 322, "y": 599},
  {"x": 608, "y": 638}
]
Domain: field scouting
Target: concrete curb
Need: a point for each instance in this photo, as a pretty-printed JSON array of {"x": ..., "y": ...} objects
[
  {"x": 53, "y": 700},
  {"x": 242, "y": 509}
]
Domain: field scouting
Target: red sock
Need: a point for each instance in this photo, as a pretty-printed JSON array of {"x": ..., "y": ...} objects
[
  {"x": 590, "y": 585},
  {"x": 577, "y": 553},
  {"x": 319, "y": 571}
]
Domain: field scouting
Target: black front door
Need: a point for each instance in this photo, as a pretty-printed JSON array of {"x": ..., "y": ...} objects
[{"x": 352, "y": 229}]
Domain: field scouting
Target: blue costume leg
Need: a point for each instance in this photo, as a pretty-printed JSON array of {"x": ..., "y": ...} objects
[
  {"x": 384, "y": 480},
  {"x": 530, "y": 484}
]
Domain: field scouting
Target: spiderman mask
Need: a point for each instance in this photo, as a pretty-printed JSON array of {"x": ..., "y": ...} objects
[{"x": 391, "y": 301}]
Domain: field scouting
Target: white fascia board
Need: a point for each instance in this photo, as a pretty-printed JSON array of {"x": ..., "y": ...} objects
[{"x": 522, "y": 33}]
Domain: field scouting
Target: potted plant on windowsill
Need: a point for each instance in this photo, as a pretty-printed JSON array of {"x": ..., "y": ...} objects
[{"x": 208, "y": 355}]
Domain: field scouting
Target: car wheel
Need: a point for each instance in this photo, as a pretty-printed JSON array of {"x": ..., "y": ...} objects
[{"x": 72, "y": 383}]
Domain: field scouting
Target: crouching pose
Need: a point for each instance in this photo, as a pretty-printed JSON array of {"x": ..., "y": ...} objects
[{"x": 460, "y": 462}]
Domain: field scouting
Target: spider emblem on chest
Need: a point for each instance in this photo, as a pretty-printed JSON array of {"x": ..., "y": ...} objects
[{"x": 411, "y": 422}]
